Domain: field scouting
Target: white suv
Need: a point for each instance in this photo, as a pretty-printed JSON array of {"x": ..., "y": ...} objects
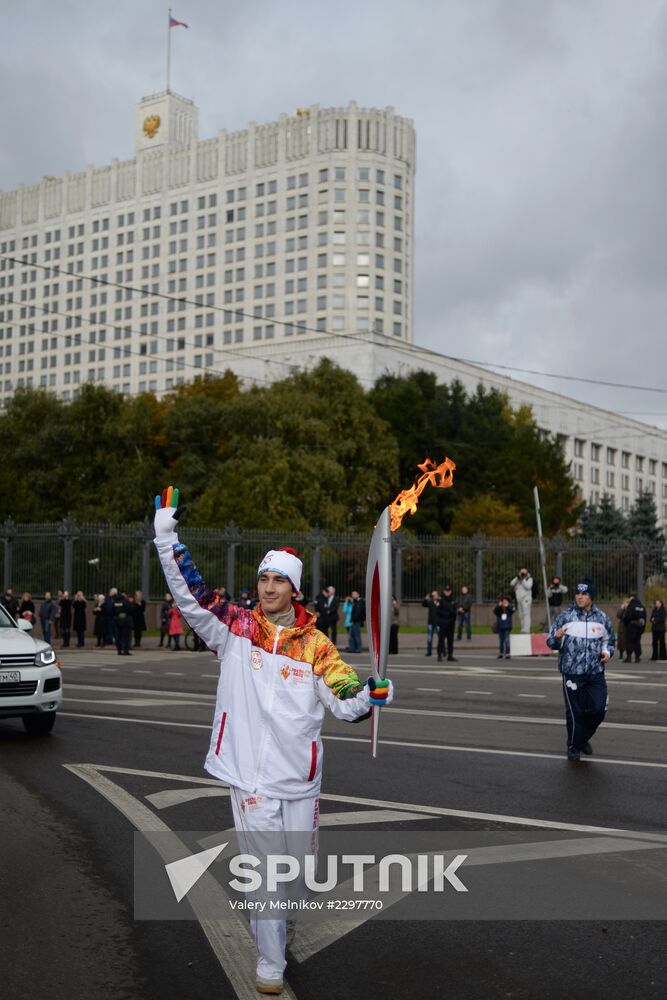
[{"x": 30, "y": 679}]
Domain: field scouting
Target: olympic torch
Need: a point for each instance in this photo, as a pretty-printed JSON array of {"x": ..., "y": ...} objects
[
  {"x": 379, "y": 590},
  {"x": 378, "y": 598}
]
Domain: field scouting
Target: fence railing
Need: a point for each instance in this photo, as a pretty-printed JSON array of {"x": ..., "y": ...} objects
[{"x": 94, "y": 557}]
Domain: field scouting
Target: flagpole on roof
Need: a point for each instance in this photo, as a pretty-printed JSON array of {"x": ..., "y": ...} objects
[{"x": 168, "y": 47}]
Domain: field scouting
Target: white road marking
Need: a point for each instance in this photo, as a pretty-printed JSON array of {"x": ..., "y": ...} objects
[
  {"x": 177, "y": 796},
  {"x": 108, "y": 670},
  {"x": 169, "y": 673},
  {"x": 479, "y": 692},
  {"x": 209, "y": 676},
  {"x": 387, "y": 743},
  {"x": 142, "y": 671},
  {"x": 314, "y": 937},
  {"x": 229, "y": 939},
  {"x": 437, "y": 690},
  {"x": 412, "y": 807},
  {"x": 532, "y": 696},
  {"x": 637, "y": 701},
  {"x": 131, "y": 702},
  {"x": 356, "y": 816},
  {"x": 529, "y": 674},
  {"x": 437, "y": 713},
  {"x": 149, "y": 692},
  {"x": 524, "y": 720},
  {"x": 232, "y": 949},
  {"x": 351, "y": 817}
]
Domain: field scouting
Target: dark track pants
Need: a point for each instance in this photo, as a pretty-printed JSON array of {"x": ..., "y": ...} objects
[
  {"x": 585, "y": 706},
  {"x": 446, "y": 640}
]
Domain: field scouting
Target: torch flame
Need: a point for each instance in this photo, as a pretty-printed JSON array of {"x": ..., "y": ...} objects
[{"x": 406, "y": 502}]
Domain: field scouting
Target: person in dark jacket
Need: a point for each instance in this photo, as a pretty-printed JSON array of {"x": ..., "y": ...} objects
[
  {"x": 98, "y": 620},
  {"x": 326, "y": 609},
  {"x": 620, "y": 628},
  {"x": 556, "y": 591},
  {"x": 658, "y": 616},
  {"x": 431, "y": 602},
  {"x": 56, "y": 620},
  {"x": 79, "y": 606},
  {"x": 138, "y": 617},
  {"x": 122, "y": 623},
  {"x": 10, "y": 603},
  {"x": 395, "y": 626},
  {"x": 108, "y": 616},
  {"x": 357, "y": 619},
  {"x": 634, "y": 619},
  {"x": 446, "y": 617},
  {"x": 503, "y": 612},
  {"x": 47, "y": 614},
  {"x": 464, "y": 604},
  {"x": 65, "y": 606},
  {"x": 27, "y": 608},
  {"x": 320, "y": 609}
]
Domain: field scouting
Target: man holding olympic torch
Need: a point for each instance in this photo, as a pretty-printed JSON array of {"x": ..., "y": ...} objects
[{"x": 277, "y": 675}]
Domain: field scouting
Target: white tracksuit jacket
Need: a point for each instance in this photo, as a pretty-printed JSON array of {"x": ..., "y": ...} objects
[{"x": 274, "y": 686}]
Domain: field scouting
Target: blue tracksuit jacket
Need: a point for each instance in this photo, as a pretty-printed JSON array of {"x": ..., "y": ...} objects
[{"x": 588, "y": 634}]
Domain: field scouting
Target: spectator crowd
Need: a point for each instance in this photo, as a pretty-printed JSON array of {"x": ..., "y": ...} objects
[{"x": 119, "y": 618}]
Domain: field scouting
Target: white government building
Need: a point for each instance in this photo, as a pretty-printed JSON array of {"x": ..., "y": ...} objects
[{"x": 261, "y": 251}]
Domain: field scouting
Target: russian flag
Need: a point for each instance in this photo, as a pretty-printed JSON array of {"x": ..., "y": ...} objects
[{"x": 173, "y": 23}]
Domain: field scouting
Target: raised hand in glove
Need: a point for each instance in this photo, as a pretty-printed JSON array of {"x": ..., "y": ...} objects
[
  {"x": 167, "y": 512},
  {"x": 380, "y": 692}
]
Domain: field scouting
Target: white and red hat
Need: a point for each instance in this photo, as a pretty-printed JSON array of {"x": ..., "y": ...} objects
[{"x": 283, "y": 561}]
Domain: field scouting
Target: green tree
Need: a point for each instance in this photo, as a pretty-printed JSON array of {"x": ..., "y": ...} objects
[
  {"x": 489, "y": 516},
  {"x": 499, "y": 452},
  {"x": 195, "y": 418},
  {"x": 32, "y": 429},
  {"x": 642, "y": 523},
  {"x": 306, "y": 450},
  {"x": 603, "y": 521}
]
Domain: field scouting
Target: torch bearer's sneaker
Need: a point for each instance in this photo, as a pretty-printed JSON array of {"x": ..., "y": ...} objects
[{"x": 274, "y": 987}]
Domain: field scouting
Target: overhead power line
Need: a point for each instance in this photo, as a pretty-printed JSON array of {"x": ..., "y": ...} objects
[{"x": 341, "y": 335}]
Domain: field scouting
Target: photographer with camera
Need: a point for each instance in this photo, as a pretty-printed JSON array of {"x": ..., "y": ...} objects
[{"x": 522, "y": 585}]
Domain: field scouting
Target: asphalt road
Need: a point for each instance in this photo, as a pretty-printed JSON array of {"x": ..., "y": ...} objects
[{"x": 474, "y": 748}]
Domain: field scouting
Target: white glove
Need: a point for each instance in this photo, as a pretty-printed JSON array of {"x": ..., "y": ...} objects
[{"x": 167, "y": 513}]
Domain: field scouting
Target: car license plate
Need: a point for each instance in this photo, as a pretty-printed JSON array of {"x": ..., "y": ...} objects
[{"x": 10, "y": 676}]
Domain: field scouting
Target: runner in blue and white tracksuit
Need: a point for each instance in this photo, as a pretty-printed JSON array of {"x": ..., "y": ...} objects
[{"x": 584, "y": 636}]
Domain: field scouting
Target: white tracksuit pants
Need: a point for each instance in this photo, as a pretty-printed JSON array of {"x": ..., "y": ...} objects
[
  {"x": 255, "y": 814},
  {"x": 525, "y": 604}
]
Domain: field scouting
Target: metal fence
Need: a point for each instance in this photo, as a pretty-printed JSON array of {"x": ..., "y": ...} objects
[{"x": 94, "y": 557}]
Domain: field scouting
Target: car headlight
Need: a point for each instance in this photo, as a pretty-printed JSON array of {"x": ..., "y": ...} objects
[{"x": 46, "y": 657}]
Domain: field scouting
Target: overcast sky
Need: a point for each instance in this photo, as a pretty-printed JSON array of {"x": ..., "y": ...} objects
[{"x": 541, "y": 215}]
